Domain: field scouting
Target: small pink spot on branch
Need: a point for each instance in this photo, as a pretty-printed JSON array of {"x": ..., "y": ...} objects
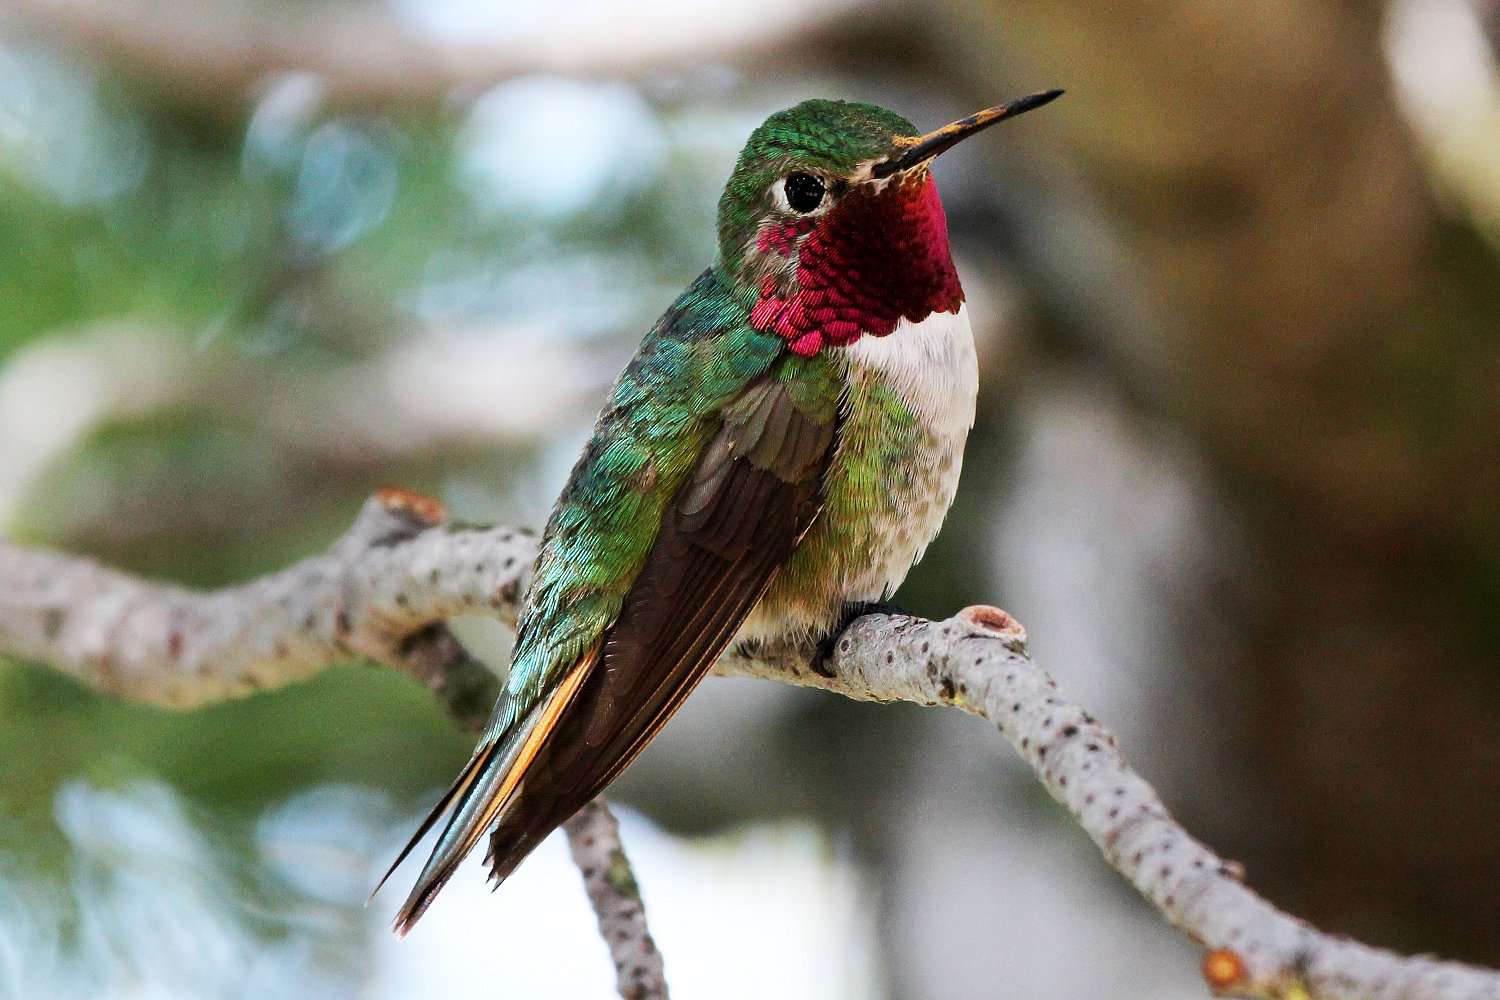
[
  {"x": 428, "y": 510},
  {"x": 984, "y": 618},
  {"x": 1222, "y": 969}
]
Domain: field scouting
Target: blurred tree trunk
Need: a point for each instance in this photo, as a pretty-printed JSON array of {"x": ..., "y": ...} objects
[{"x": 1334, "y": 343}]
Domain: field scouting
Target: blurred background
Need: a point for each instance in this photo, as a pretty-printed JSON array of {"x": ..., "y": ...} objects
[{"x": 1237, "y": 463}]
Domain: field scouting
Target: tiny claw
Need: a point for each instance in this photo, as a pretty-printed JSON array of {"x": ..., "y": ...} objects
[{"x": 851, "y": 612}]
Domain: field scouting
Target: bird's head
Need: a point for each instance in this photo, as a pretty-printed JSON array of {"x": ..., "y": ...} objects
[{"x": 831, "y": 221}]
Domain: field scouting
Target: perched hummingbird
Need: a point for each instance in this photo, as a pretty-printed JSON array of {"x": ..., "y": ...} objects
[{"x": 777, "y": 455}]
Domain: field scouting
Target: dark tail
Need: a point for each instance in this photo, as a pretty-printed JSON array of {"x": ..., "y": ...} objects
[{"x": 483, "y": 791}]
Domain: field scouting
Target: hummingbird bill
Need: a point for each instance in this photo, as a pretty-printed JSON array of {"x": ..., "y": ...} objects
[{"x": 781, "y": 450}]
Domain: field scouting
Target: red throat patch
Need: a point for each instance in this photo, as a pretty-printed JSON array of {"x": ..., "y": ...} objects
[{"x": 870, "y": 262}]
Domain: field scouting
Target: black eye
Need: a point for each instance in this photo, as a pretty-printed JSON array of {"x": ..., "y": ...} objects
[{"x": 804, "y": 192}]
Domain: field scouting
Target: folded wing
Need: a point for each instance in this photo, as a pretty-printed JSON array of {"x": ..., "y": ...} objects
[{"x": 754, "y": 492}]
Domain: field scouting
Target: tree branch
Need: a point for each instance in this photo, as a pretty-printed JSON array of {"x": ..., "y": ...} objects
[
  {"x": 594, "y": 841},
  {"x": 384, "y": 590},
  {"x": 173, "y": 647}
]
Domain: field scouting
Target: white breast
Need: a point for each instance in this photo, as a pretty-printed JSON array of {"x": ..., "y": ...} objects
[{"x": 931, "y": 367}]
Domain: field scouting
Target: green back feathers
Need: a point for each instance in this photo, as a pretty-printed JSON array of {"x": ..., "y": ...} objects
[
  {"x": 659, "y": 416},
  {"x": 831, "y": 137}
]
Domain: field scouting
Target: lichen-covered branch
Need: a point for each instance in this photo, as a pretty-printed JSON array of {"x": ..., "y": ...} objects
[
  {"x": 384, "y": 590},
  {"x": 399, "y": 569},
  {"x": 594, "y": 841},
  {"x": 977, "y": 661}
]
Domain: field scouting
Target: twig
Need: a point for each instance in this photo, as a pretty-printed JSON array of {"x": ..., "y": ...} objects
[
  {"x": 383, "y": 590},
  {"x": 594, "y": 840},
  {"x": 398, "y": 570}
]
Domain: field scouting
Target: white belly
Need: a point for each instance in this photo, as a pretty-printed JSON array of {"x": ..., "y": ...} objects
[
  {"x": 932, "y": 368},
  {"x": 910, "y": 407}
]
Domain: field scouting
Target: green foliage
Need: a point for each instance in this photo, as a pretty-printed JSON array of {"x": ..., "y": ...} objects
[{"x": 349, "y": 725}]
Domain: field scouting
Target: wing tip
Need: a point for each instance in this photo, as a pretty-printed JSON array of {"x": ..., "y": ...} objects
[
  {"x": 416, "y": 903},
  {"x": 389, "y": 872}
]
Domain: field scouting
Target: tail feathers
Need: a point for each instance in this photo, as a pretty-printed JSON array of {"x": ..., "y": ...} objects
[
  {"x": 476, "y": 786},
  {"x": 481, "y": 793},
  {"x": 526, "y": 824},
  {"x": 613, "y": 718},
  {"x": 457, "y": 789}
]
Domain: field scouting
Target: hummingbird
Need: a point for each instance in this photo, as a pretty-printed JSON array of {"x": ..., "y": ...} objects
[{"x": 774, "y": 459}]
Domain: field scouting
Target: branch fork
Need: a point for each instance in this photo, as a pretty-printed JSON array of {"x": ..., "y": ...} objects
[{"x": 385, "y": 590}]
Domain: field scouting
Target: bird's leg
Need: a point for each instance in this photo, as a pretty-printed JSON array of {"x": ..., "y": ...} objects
[{"x": 850, "y": 613}]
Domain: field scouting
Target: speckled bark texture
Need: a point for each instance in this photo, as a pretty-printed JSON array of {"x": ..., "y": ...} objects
[
  {"x": 594, "y": 840},
  {"x": 383, "y": 591},
  {"x": 977, "y": 661},
  {"x": 395, "y": 571}
]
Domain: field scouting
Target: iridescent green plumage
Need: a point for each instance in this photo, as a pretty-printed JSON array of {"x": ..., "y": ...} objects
[
  {"x": 819, "y": 135},
  {"x": 659, "y": 415},
  {"x": 699, "y": 361},
  {"x": 738, "y": 481}
]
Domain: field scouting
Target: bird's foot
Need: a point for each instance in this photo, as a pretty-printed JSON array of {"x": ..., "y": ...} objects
[{"x": 851, "y": 612}]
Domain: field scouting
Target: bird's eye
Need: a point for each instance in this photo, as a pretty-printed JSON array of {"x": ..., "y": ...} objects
[{"x": 804, "y": 192}]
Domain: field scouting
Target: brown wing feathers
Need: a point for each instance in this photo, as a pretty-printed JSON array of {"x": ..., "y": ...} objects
[{"x": 755, "y": 492}]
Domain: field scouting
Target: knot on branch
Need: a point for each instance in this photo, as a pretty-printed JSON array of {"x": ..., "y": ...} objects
[
  {"x": 1222, "y": 969},
  {"x": 986, "y": 619},
  {"x": 393, "y": 515}
]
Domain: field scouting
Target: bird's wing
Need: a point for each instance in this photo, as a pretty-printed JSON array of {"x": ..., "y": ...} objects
[
  {"x": 752, "y": 496},
  {"x": 704, "y": 472}
]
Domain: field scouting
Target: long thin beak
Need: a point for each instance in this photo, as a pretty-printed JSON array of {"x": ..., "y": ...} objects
[{"x": 925, "y": 147}]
